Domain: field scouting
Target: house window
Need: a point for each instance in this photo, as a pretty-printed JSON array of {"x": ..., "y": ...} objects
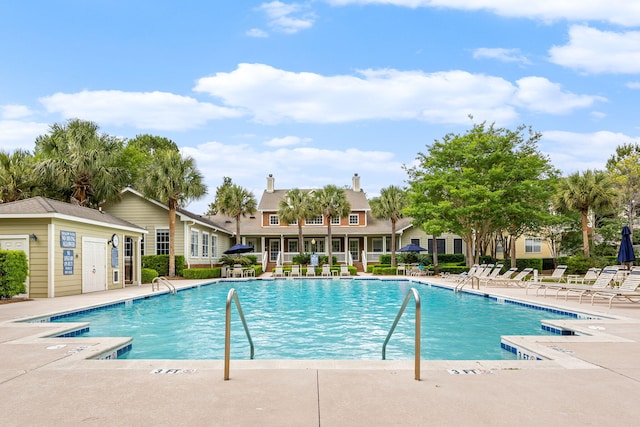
[
  {"x": 293, "y": 222},
  {"x": 162, "y": 242},
  {"x": 274, "y": 220},
  {"x": 205, "y": 245},
  {"x": 532, "y": 245},
  {"x": 335, "y": 245},
  {"x": 214, "y": 246},
  {"x": 415, "y": 242},
  {"x": 376, "y": 244},
  {"x": 335, "y": 221},
  {"x": 293, "y": 245},
  {"x": 457, "y": 246},
  {"x": 354, "y": 219},
  {"x": 441, "y": 246},
  {"x": 194, "y": 243},
  {"x": 315, "y": 221},
  {"x": 142, "y": 245}
]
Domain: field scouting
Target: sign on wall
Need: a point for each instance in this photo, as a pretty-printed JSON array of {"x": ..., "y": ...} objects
[
  {"x": 67, "y": 262},
  {"x": 67, "y": 239}
]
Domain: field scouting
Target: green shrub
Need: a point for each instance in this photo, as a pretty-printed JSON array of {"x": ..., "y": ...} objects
[
  {"x": 302, "y": 259},
  {"x": 385, "y": 271},
  {"x": 201, "y": 273},
  {"x": 385, "y": 259},
  {"x": 535, "y": 263},
  {"x": 160, "y": 263},
  {"x": 451, "y": 258},
  {"x": 453, "y": 268},
  {"x": 14, "y": 269},
  {"x": 148, "y": 274}
]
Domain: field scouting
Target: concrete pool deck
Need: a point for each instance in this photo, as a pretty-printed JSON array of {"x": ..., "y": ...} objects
[{"x": 592, "y": 379}]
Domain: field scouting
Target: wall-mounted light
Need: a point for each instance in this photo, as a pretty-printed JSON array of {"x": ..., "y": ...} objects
[{"x": 33, "y": 236}]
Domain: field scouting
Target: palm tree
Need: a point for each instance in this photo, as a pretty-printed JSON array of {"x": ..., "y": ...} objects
[
  {"x": 296, "y": 207},
  {"x": 16, "y": 175},
  {"x": 79, "y": 163},
  {"x": 235, "y": 201},
  {"x": 593, "y": 190},
  {"x": 389, "y": 206},
  {"x": 174, "y": 181},
  {"x": 331, "y": 202}
]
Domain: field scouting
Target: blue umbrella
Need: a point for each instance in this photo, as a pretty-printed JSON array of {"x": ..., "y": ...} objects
[
  {"x": 412, "y": 248},
  {"x": 625, "y": 253},
  {"x": 238, "y": 249}
]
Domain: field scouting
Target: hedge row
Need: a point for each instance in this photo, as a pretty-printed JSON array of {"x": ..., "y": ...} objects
[
  {"x": 14, "y": 269},
  {"x": 160, "y": 263}
]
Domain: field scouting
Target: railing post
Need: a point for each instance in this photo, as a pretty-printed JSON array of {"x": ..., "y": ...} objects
[
  {"x": 416, "y": 296},
  {"x": 233, "y": 296}
]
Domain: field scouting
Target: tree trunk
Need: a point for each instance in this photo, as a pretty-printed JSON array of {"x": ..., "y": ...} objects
[
  {"x": 300, "y": 239},
  {"x": 330, "y": 239},
  {"x": 393, "y": 243},
  {"x": 237, "y": 229},
  {"x": 172, "y": 238},
  {"x": 435, "y": 255},
  {"x": 585, "y": 232},
  {"x": 512, "y": 251}
]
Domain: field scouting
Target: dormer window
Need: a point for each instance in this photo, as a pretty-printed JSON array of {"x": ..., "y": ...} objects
[
  {"x": 354, "y": 219},
  {"x": 335, "y": 221},
  {"x": 274, "y": 220}
]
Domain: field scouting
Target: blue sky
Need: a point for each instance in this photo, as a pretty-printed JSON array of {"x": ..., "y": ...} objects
[{"x": 313, "y": 92}]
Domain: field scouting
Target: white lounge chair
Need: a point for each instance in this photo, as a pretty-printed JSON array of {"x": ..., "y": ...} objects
[
  {"x": 602, "y": 282},
  {"x": 493, "y": 273},
  {"x": 517, "y": 280},
  {"x": 344, "y": 270},
  {"x": 504, "y": 276},
  {"x": 295, "y": 271},
  {"x": 326, "y": 271},
  {"x": 628, "y": 289},
  {"x": 278, "y": 272},
  {"x": 557, "y": 275},
  {"x": 311, "y": 271}
]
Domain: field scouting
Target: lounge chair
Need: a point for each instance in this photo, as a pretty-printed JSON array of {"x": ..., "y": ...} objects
[
  {"x": 237, "y": 271},
  {"x": 295, "y": 271},
  {"x": 473, "y": 274},
  {"x": 311, "y": 270},
  {"x": 493, "y": 273},
  {"x": 573, "y": 279},
  {"x": 517, "y": 280},
  {"x": 628, "y": 289},
  {"x": 556, "y": 276},
  {"x": 344, "y": 270},
  {"x": 278, "y": 272},
  {"x": 603, "y": 281},
  {"x": 504, "y": 276},
  {"x": 326, "y": 271}
]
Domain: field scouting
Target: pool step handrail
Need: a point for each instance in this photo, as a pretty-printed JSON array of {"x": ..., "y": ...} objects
[
  {"x": 416, "y": 296},
  {"x": 155, "y": 284},
  {"x": 233, "y": 296}
]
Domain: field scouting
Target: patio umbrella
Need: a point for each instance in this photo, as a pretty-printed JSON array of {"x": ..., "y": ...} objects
[
  {"x": 625, "y": 253},
  {"x": 238, "y": 249},
  {"x": 411, "y": 248}
]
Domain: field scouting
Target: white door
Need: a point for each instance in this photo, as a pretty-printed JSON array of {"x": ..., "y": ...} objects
[{"x": 94, "y": 265}]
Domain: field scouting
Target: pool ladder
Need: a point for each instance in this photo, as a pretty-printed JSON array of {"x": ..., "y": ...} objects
[
  {"x": 416, "y": 296},
  {"x": 157, "y": 281},
  {"x": 233, "y": 296}
]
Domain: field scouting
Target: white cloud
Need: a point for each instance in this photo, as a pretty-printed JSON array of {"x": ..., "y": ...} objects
[
  {"x": 633, "y": 85},
  {"x": 595, "y": 51},
  {"x": 142, "y": 110},
  {"x": 274, "y": 96},
  {"x": 287, "y": 141},
  {"x": 622, "y": 12},
  {"x": 575, "y": 152},
  {"x": 291, "y": 166},
  {"x": 501, "y": 54},
  {"x": 540, "y": 95},
  {"x": 288, "y": 18},
  {"x": 257, "y": 33},
  {"x": 11, "y": 112},
  {"x": 16, "y": 134}
]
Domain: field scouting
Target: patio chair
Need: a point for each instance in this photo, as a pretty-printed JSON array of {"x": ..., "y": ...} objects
[
  {"x": 504, "y": 276},
  {"x": 401, "y": 270},
  {"x": 295, "y": 271},
  {"x": 326, "y": 271},
  {"x": 628, "y": 289},
  {"x": 589, "y": 277},
  {"x": 344, "y": 270},
  {"x": 602, "y": 282},
  {"x": 311, "y": 270},
  {"x": 278, "y": 272},
  {"x": 237, "y": 271}
]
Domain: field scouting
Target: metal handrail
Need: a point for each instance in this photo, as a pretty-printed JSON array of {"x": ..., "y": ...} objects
[
  {"x": 416, "y": 296},
  {"x": 155, "y": 284},
  {"x": 233, "y": 295}
]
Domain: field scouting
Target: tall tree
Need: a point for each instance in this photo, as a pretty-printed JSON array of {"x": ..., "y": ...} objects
[
  {"x": 591, "y": 190},
  {"x": 296, "y": 207},
  {"x": 139, "y": 154},
  {"x": 392, "y": 201},
  {"x": 174, "y": 181},
  {"x": 16, "y": 175},
  {"x": 80, "y": 164},
  {"x": 624, "y": 167},
  {"x": 212, "y": 209},
  {"x": 478, "y": 183},
  {"x": 234, "y": 201},
  {"x": 331, "y": 202}
]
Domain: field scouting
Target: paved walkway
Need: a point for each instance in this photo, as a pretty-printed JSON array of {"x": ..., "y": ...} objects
[{"x": 591, "y": 379}]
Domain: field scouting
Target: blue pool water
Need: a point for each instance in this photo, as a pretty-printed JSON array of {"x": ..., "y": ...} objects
[{"x": 315, "y": 319}]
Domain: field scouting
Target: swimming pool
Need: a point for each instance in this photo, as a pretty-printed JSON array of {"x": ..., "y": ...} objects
[{"x": 315, "y": 319}]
